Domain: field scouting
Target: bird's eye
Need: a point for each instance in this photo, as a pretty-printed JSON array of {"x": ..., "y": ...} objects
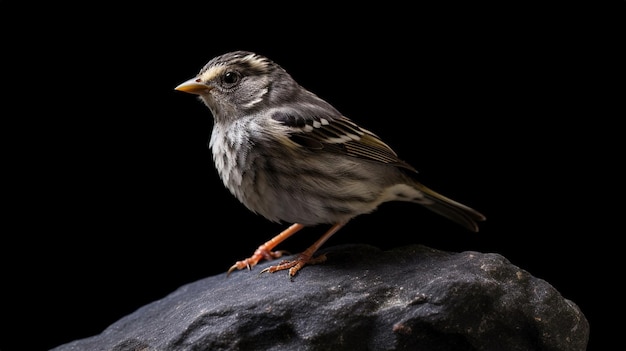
[{"x": 231, "y": 78}]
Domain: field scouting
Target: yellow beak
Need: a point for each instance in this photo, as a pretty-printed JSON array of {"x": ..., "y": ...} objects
[{"x": 194, "y": 86}]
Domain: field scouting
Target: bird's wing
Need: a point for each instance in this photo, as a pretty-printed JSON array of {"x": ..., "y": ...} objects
[{"x": 337, "y": 134}]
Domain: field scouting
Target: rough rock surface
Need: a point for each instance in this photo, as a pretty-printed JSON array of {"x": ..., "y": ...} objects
[{"x": 361, "y": 298}]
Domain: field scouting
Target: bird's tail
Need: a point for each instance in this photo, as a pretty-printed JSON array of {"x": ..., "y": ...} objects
[{"x": 453, "y": 210}]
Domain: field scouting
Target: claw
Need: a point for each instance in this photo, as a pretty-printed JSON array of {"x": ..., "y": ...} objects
[
  {"x": 294, "y": 265},
  {"x": 264, "y": 252},
  {"x": 239, "y": 265},
  {"x": 259, "y": 254}
]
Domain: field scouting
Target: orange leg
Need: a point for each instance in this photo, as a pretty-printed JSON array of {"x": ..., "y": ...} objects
[
  {"x": 264, "y": 251},
  {"x": 306, "y": 256}
]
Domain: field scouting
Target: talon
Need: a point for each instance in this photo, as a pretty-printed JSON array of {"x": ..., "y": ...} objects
[
  {"x": 305, "y": 257},
  {"x": 294, "y": 265},
  {"x": 259, "y": 254},
  {"x": 284, "y": 264},
  {"x": 239, "y": 265}
]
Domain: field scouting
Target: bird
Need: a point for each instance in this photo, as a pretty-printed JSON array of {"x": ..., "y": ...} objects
[{"x": 290, "y": 156}]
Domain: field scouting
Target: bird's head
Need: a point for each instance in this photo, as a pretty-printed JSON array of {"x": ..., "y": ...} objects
[{"x": 236, "y": 84}]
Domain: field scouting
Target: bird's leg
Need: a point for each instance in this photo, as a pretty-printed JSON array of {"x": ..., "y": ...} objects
[
  {"x": 306, "y": 256},
  {"x": 264, "y": 251}
]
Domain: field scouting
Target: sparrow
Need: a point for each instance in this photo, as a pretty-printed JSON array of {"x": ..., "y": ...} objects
[{"x": 291, "y": 157}]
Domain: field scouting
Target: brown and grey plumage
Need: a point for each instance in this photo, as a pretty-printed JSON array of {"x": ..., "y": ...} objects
[{"x": 290, "y": 156}]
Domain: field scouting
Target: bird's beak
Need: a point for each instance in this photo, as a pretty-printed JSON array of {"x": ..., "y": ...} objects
[{"x": 194, "y": 86}]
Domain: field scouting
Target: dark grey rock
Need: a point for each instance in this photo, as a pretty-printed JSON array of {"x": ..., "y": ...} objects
[{"x": 361, "y": 298}]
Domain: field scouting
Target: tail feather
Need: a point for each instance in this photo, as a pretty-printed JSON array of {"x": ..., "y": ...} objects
[{"x": 453, "y": 210}]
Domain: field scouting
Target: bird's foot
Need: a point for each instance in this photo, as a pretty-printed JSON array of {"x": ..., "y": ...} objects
[
  {"x": 294, "y": 265},
  {"x": 259, "y": 254}
]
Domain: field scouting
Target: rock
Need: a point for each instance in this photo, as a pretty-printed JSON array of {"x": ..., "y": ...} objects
[{"x": 360, "y": 298}]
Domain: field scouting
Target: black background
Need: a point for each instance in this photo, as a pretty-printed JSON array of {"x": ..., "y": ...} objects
[{"x": 112, "y": 201}]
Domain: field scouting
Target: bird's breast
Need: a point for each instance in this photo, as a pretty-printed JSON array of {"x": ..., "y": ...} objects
[
  {"x": 230, "y": 149},
  {"x": 294, "y": 185}
]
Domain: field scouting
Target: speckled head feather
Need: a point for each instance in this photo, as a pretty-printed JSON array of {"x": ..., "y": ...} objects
[{"x": 249, "y": 63}]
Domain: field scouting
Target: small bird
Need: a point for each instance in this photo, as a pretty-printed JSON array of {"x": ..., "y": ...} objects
[{"x": 290, "y": 156}]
